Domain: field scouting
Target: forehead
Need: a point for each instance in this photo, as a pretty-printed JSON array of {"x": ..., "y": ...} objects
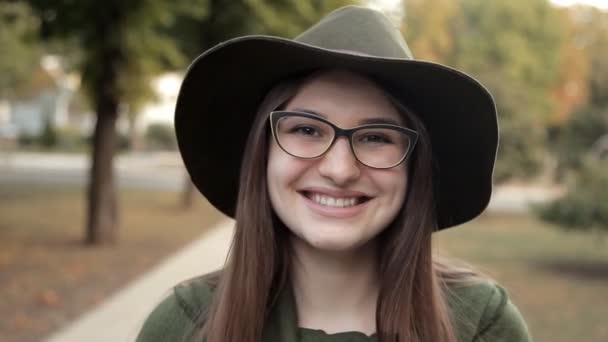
[{"x": 345, "y": 98}]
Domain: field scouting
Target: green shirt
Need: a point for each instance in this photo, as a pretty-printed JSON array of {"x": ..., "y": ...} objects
[{"x": 490, "y": 317}]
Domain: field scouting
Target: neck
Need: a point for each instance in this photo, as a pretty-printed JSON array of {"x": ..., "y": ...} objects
[{"x": 335, "y": 290}]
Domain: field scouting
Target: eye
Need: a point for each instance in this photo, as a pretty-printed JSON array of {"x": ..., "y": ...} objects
[
  {"x": 375, "y": 138},
  {"x": 305, "y": 130}
]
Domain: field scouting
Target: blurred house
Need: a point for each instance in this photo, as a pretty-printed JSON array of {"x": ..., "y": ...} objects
[
  {"x": 53, "y": 97},
  {"x": 46, "y": 100},
  {"x": 161, "y": 110}
]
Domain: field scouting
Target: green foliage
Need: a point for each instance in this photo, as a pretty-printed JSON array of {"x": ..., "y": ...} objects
[
  {"x": 575, "y": 137},
  {"x": 123, "y": 38},
  {"x": 161, "y": 136},
  {"x": 225, "y": 19},
  {"x": 70, "y": 140},
  {"x": 220, "y": 20},
  {"x": 20, "y": 47},
  {"x": 593, "y": 39},
  {"x": 512, "y": 48},
  {"x": 48, "y": 137},
  {"x": 288, "y": 18},
  {"x": 585, "y": 206},
  {"x": 539, "y": 62},
  {"x": 26, "y": 140},
  {"x": 428, "y": 28},
  {"x": 64, "y": 139}
]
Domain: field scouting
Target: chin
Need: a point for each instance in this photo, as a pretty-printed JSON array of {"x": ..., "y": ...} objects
[{"x": 337, "y": 244}]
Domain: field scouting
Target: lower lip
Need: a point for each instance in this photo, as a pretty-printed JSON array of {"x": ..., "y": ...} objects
[{"x": 337, "y": 212}]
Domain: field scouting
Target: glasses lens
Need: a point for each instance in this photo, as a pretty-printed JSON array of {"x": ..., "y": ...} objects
[
  {"x": 302, "y": 136},
  {"x": 381, "y": 147}
]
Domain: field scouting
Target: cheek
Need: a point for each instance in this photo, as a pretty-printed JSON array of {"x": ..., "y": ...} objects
[
  {"x": 272, "y": 172},
  {"x": 402, "y": 184},
  {"x": 395, "y": 186},
  {"x": 283, "y": 171}
]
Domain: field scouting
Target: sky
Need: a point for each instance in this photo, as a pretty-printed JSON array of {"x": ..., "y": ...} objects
[
  {"x": 603, "y": 4},
  {"x": 597, "y": 3}
]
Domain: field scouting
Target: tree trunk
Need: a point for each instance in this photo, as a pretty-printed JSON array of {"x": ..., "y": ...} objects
[
  {"x": 102, "y": 225},
  {"x": 103, "y": 220}
]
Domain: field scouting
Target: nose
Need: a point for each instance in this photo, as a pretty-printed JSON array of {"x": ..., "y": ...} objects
[{"x": 339, "y": 164}]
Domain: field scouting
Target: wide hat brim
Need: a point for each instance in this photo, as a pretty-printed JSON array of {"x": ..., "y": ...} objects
[{"x": 224, "y": 86}]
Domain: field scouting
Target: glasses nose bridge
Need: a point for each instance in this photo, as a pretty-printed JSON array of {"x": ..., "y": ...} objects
[{"x": 343, "y": 132}]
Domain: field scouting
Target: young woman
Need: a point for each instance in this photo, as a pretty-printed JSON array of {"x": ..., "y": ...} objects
[{"x": 338, "y": 155}]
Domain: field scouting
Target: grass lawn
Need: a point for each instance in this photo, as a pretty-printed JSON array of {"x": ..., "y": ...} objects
[
  {"x": 558, "y": 280},
  {"x": 48, "y": 277}
]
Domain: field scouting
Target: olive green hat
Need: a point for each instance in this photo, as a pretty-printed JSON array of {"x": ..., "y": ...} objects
[{"x": 224, "y": 86}]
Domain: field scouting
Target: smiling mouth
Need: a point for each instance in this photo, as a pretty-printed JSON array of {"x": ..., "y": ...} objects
[{"x": 338, "y": 202}]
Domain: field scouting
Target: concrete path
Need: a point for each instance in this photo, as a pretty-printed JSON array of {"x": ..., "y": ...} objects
[
  {"x": 119, "y": 318},
  {"x": 514, "y": 198},
  {"x": 147, "y": 170}
]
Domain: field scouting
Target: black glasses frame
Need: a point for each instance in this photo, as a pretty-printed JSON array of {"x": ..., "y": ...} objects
[{"x": 275, "y": 116}]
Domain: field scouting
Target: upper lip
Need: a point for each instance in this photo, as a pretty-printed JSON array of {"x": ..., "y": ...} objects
[{"x": 334, "y": 192}]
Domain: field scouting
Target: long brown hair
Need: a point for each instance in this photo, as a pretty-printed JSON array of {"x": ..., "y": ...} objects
[{"x": 412, "y": 302}]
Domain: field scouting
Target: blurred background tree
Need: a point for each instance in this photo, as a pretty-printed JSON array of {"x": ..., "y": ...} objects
[
  {"x": 21, "y": 51},
  {"x": 580, "y": 143},
  {"x": 288, "y": 18},
  {"x": 225, "y": 19},
  {"x": 573, "y": 135},
  {"x": 428, "y": 28},
  {"x": 512, "y": 48},
  {"x": 547, "y": 69},
  {"x": 123, "y": 47}
]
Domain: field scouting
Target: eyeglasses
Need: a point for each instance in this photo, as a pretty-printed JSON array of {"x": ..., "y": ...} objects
[{"x": 305, "y": 135}]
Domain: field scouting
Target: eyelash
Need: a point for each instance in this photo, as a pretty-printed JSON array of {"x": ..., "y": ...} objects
[{"x": 383, "y": 137}]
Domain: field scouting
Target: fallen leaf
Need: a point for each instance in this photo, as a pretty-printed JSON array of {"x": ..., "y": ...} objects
[
  {"x": 48, "y": 298},
  {"x": 21, "y": 321}
]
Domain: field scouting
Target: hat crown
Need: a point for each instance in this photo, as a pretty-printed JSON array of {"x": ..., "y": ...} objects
[{"x": 360, "y": 30}]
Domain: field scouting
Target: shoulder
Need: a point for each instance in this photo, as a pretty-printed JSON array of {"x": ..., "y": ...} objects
[
  {"x": 178, "y": 314},
  {"x": 483, "y": 311},
  {"x": 195, "y": 295}
]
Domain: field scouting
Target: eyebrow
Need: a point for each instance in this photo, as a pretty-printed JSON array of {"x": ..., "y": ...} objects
[{"x": 366, "y": 121}]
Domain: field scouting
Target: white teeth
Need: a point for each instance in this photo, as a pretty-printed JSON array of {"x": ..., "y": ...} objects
[{"x": 334, "y": 202}]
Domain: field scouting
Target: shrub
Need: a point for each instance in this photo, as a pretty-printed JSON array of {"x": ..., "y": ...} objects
[
  {"x": 161, "y": 136},
  {"x": 575, "y": 138},
  {"x": 70, "y": 139},
  {"x": 585, "y": 206},
  {"x": 48, "y": 137}
]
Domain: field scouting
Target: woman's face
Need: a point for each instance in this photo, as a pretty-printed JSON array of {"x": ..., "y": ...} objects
[{"x": 312, "y": 196}]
